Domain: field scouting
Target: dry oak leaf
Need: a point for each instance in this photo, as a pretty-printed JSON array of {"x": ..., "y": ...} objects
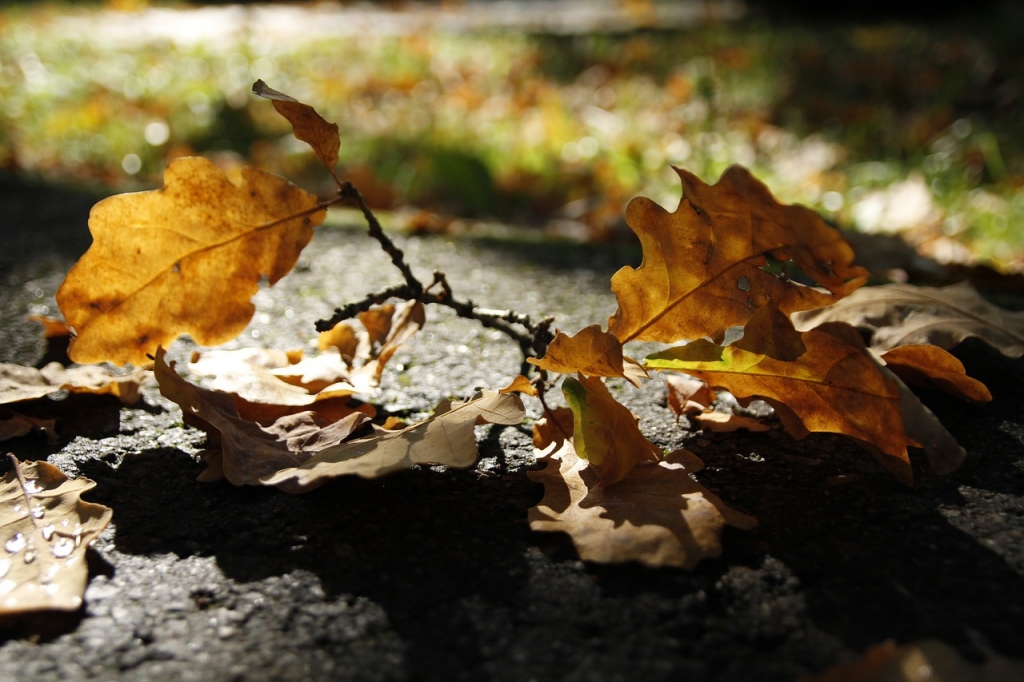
[
  {"x": 250, "y": 450},
  {"x": 688, "y": 395},
  {"x": 657, "y": 515},
  {"x": 932, "y": 367},
  {"x": 703, "y": 267},
  {"x": 445, "y": 438},
  {"x": 14, "y": 424},
  {"x": 926, "y": 659},
  {"x": 186, "y": 258},
  {"x": 592, "y": 352},
  {"x": 903, "y": 314},
  {"x": 815, "y": 380},
  {"x": 28, "y": 383},
  {"x": 605, "y": 432},
  {"x": 308, "y": 126},
  {"x": 45, "y": 527}
]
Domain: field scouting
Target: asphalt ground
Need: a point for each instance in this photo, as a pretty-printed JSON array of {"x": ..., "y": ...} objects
[{"x": 435, "y": 574}]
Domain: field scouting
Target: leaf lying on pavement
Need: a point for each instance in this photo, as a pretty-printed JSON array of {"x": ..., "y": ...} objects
[
  {"x": 592, "y": 352},
  {"x": 688, "y": 395},
  {"x": 903, "y": 314},
  {"x": 186, "y": 258},
  {"x": 46, "y": 528},
  {"x": 19, "y": 383},
  {"x": 815, "y": 380},
  {"x": 14, "y": 424},
  {"x": 250, "y": 450},
  {"x": 605, "y": 432},
  {"x": 446, "y": 438},
  {"x": 703, "y": 268},
  {"x": 926, "y": 659},
  {"x": 657, "y": 515},
  {"x": 720, "y": 422}
]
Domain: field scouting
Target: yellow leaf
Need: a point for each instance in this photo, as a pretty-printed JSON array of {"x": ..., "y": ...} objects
[
  {"x": 592, "y": 352},
  {"x": 932, "y": 367},
  {"x": 703, "y": 267},
  {"x": 657, "y": 515},
  {"x": 605, "y": 433},
  {"x": 309, "y": 126},
  {"x": 815, "y": 380},
  {"x": 186, "y": 258}
]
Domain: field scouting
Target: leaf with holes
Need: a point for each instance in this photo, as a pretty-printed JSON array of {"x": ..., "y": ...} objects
[
  {"x": 186, "y": 258},
  {"x": 706, "y": 265}
]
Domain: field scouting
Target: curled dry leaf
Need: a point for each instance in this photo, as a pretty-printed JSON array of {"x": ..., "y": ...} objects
[
  {"x": 250, "y": 450},
  {"x": 309, "y": 126},
  {"x": 657, "y": 515},
  {"x": 903, "y": 314},
  {"x": 605, "y": 432},
  {"x": 446, "y": 438},
  {"x": 688, "y": 395},
  {"x": 19, "y": 383},
  {"x": 927, "y": 659},
  {"x": 45, "y": 527},
  {"x": 704, "y": 265},
  {"x": 14, "y": 424},
  {"x": 815, "y": 380},
  {"x": 186, "y": 258},
  {"x": 592, "y": 352},
  {"x": 932, "y": 367}
]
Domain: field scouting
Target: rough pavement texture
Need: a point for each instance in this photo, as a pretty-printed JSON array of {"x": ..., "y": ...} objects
[{"x": 433, "y": 574}]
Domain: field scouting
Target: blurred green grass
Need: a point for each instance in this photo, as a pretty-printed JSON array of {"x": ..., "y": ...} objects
[{"x": 909, "y": 128}]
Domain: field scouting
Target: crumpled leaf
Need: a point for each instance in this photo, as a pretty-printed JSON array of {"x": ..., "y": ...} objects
[
  {"x": 688, "y": 395},
  {"x": 186, "y": 258},
  {"x": 815, "y": 380},
  {"x": 720, "y": 422},
  {"x": 445, "y": 438},
  {"x": 45, "y": 527},
  {"x": 250, "y": 450},
  {"x": 903, "y": 314},
  {"x": 309, "y": 126},
  {"x": 592, "y": 352},
  {"x": 703, "y": 267},
  {"x": 888, "y": 662},
  {"x": 605, "y": 432},
  {"x": 657, "y": 515},
  {"x": 932, "y": 367},
  {"x": 19, "y": 383}
]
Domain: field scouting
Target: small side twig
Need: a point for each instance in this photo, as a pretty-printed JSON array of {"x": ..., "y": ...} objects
[{"x": 532, "y": 337}]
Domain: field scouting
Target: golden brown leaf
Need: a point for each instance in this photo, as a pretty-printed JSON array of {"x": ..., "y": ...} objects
[
  {"x": 520, "y": 385},
  {"x": 46, "y": 528},
  {"x": 932, "y": 367},
  {"x": 309, "y": 126},
  {"x": 250, "y": 450},
  {"x": 703, "y": 267},
  {"x": 657, "y": 515},
  {"x": 592, "y": 352},
  {"x": 815, "y": 380},
  {"x": 605, "y": 433},
  {"x": 903, "y": 314},
  {"x": 446, "y": 438},
  {"x": 186, "y": 258}
]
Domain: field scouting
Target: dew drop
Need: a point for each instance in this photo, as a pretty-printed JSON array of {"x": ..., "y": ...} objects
[
  {"x": 16, "y": 543},
  {"x": 48, "y": 531},
  {"x": 38, "y": 511},
  {"x": 63, "y": 548},
  {"x": 32, "y": 487},
  {"x": 17, "y": 508},
  {"x": 5, "y": 565},
  {"x": 30, "y": 556}
]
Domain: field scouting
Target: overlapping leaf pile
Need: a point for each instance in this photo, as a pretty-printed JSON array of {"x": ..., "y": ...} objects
[{"x": 730, "y": 263}]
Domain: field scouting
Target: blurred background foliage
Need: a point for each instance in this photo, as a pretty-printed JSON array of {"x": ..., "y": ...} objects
[{"x": 897, "y": 124}]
